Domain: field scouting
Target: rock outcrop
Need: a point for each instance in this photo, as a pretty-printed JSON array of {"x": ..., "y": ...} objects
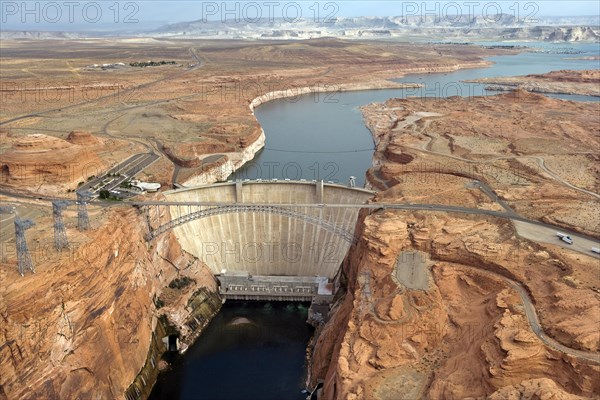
[
  {"x": 470, "y": 333},
  {"x": 51, "y": 165},
  {"x": 466, "y": 336},
  {"x": 81, "y": 327}
]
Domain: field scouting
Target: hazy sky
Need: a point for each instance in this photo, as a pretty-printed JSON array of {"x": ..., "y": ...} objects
[
  {"x": 76, "y": 14},
  {"x": 186, "y": 10}
]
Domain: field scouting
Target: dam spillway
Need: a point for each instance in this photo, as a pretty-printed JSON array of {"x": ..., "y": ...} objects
[{"x": 299, "y": 240}]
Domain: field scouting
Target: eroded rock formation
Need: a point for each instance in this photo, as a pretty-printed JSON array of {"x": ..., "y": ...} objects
[{"x": 81, "y": 326}]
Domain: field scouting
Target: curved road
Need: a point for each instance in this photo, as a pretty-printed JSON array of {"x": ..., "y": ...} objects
[
  {"x": 536, "y": 327},
  {"x": 542, "y": 164},
  {"x": 528, "y": 307}
]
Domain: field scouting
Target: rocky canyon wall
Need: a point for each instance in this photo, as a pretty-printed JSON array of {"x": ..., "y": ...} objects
[
  {"x": 466, "y": 334},
  {"x": 81, "y": 326}
]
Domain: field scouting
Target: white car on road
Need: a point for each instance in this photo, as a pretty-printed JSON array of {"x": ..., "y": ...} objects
[{"x": 564, "y": 237}]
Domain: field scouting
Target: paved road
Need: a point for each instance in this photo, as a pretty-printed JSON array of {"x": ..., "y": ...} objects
[
  {"x": 494, "y": 197},
  {"x": 528, "y": 307},
  {"x": 531, "y": 224},
  {"x": 542, "y": 164},
  {"x": 534, "y": 321},
  {"x": 547, "y": 234},
  {"x": 536, "y": 327},
  {"x": 548, "y": 231}
]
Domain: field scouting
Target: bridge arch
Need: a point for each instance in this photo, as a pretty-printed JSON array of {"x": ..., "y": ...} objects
[
  {"x": 252, "y": 208},
  {"x": 267, "y": 227}
]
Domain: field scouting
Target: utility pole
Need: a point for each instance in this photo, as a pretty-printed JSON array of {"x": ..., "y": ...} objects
[{"x": 352, "y": 182}]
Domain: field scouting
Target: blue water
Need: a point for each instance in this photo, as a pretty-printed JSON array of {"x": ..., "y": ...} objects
[
  {"x": 312, "y": 137},
  {"x": 262, "y": 358},
  {"x": 320, "y": 136}
]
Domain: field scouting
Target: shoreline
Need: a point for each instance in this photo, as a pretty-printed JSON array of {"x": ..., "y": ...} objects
[{"x": 239, "y": 159}]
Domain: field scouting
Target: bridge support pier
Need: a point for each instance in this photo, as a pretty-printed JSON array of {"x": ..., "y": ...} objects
[
  {"x": 239, "y": 197},
  {"x": 319, "y": 193}
]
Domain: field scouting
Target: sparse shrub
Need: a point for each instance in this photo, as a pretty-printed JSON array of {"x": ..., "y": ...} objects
[
  {"x": 159, "y": 303},
  {"x": 180, "y": 283}
]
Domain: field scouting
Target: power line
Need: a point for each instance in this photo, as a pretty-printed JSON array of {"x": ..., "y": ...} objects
[{"x": 83, "y": 220}]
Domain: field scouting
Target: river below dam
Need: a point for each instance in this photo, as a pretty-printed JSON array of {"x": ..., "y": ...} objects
[
  {"x": 257, "y": 350},
  {"x": 250, "y": 350}
]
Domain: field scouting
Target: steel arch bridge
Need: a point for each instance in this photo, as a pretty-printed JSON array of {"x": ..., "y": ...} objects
[{"x": 249, "y": 208}]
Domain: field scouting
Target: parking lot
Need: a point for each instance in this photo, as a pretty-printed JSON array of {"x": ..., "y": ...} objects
[{"x": 112, "y": 179}]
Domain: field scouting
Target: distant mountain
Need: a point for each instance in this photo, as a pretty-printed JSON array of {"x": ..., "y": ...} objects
[
  {"x": 501, "y": 26},
  {"x": 498, "y": 27}
]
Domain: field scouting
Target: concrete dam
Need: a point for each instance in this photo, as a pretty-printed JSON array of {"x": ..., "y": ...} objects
[{"x": 252, "y": 232}]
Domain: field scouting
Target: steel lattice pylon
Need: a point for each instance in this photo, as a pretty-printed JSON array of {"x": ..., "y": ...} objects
[
  {"x": 60, "y": 233},
  {"x": 83, "y": 221},
  {"x": 23, "y": 257}
]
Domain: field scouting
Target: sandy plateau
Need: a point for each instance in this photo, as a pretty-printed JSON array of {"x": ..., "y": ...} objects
[
  {"x": 202, "y": 104},
  {"x": 427, "y": 149},
  {"x": 470, "y": 333},
  {"x": 585, "y": 82}
]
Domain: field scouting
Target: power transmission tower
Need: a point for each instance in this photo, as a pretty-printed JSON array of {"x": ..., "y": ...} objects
[
  {"x": 5, "y": 210},
  {"x": 60, "y": 233},
  {"x": 23, "y": 257},
  {"x": 83, "y": 220}
]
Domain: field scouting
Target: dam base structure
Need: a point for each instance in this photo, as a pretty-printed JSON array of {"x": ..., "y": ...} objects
[{"x": 266, "y": 240}]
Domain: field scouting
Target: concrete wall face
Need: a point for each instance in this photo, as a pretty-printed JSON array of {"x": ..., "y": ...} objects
[{"x": 268, "y": 244}]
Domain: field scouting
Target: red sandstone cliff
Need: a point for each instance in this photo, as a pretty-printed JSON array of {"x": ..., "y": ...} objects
[{"x": 80, "y": 327}]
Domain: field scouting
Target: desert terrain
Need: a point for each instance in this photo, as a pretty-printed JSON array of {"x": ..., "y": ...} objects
[
  {"x": 71, "y": 112},
  {"x": 472, "y": 332},
  {"x": 199, "y": 102},
  {"x": 584, "y": 82},
  {"x": 428, "y": 148},
  {"x": 468, "y": 332},
  {"x": 467, "y": 335}
]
